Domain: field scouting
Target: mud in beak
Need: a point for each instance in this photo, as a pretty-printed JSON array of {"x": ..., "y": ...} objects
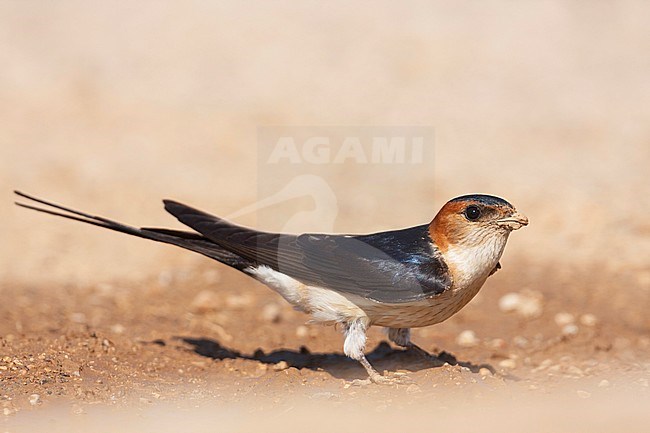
[{"x": 514, "y": 221}]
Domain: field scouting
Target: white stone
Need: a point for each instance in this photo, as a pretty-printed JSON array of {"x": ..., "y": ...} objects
[
  {"x": 467, "y": 338},
  {"x": 509, "y": 302},
  {"x": 117, "y": 328},
  {"x": 588, "y": 319},
  {"x": 205, "y": 301},
  {"x": 302, "y": 331},
  {"x": 527, "y": 304},
  {"x": 564, "y": 318},
  {"x": 570, "y": 330},
  {"x": 272, "y": 312},
  {"x": 280, "y": 366},
  {"x": 520, "y": 341}
]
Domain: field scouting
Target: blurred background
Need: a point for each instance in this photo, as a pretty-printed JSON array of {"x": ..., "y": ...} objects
[{"x": 110, "y": 107}]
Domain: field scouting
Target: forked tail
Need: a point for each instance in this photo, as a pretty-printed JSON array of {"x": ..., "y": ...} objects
[{"x": 188, "y": 240}]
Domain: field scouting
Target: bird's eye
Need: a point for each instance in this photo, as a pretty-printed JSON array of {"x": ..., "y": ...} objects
[{"x": 472, "y": 213}]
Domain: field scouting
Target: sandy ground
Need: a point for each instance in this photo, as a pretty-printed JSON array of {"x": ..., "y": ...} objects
[{"x": 111, "y": 108}]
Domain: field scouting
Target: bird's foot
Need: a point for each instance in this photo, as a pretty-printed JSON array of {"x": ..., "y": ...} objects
[
  {"x": 402, "y": 337},
  {"x": 396, "y": 378}
]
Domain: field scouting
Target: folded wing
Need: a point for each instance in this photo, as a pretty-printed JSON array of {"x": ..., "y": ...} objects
[{"x": 390, "y": 267}]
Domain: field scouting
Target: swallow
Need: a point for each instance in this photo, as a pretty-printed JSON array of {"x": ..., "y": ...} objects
[{"x": 398, "y": 279}]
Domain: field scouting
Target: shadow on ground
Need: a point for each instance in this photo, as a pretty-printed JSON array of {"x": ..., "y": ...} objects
[{"x": 383, "y": 357}]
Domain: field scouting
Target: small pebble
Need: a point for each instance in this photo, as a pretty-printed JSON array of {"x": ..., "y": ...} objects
[
  {"x": 583, "y": 394},
  {"x": 575, "y": 371},
  {"x": 604, "y": 383},
  {"x": 302, "y": 331},
  {"x": 238, "y": 301},
  {"x": 509, "y": 302},
  {"x": 546, "y": 363},
  {"x": 527, "y": 304},
  {"x": 272, "y": 313},
  {"x": 467, "y": 338},
  {"x": 508, "y": 363},
  {"x": 6, "y": 411},
  {"x": 521, "y": 342},
  {"x": 205, "y": 301},
  {"x": 588, "y": 319},
  {"x": 484, "y": 371},
  {"x": 570, "y": 330},
  {"x": 280, "y": 366},
  {"x": 78, "y": 317},
  {"x": 117, "y": 328},
  {"x": 563, "y": 318},
  {"x": 34, "y": 399},
  {"x": 498, "y": 343}
]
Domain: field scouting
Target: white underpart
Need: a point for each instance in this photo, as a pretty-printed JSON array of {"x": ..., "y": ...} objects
[
  {"x": 324, "y": 305},
  {"x": 289, "y": 288},
  {"x": 355, "y": 339}
]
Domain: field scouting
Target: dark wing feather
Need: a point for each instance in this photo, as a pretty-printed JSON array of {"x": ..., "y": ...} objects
[{"x": 391, "y": 267}]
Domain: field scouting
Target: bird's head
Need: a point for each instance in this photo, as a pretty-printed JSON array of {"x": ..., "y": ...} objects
[{"x": 474, "y": 220}]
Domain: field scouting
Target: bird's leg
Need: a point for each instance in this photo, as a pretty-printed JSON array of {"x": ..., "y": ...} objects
[
  {"x": 373, "y": 375},
  {"x": 354, "y": 345},
  {"x": 402, "y": 337}
]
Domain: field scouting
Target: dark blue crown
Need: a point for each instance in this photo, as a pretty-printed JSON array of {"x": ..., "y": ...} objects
[{"x": 489, "y": 200}]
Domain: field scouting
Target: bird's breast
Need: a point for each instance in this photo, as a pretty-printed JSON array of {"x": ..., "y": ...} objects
[{"x": 423, "y": 312}]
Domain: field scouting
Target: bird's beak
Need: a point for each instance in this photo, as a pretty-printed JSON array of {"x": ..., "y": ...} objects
[{"x": 514, "y": 221}]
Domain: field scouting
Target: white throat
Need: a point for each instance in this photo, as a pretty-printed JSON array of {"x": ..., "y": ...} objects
[{"x": 471, "y": 264}]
